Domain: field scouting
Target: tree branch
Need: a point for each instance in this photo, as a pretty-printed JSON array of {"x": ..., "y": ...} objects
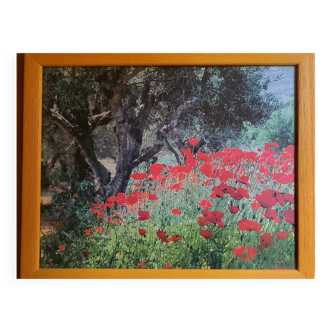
[
  {"x": 163, "y": 132},
  {"x": 170, "y": 148},
  {"x": 132, "y": 74},
  {"x": 62, "y": 123},
  {"x": 100, "y": 119}
]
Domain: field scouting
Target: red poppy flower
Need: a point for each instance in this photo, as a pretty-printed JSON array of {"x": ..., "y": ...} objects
[
  {"x": 214, "y": 217},
  {"x": 240, "y": 193},
  {"x": 265, "y": 171},
  {"x": 60, "y": 208},
  {"x": 289, "y": 216},
  {"x": 176, "y": 186},
  {"x": 223, "y": 189},
  {"x": 205, "y": 204},
  {"x": 121, "y": 199},
  {"x": 286, "y": 169},
  {"x": 103, "y": 207},
  {"x": 248, "y": 251},
  {"x": 280, "y": 198},
  {"x": 282, "y": 235},
  {"x": 142, "y": 265},
  {"x": 176, "y": 211},
  {"x": 290, "y": 149},
  {"x": 97, "y": 205},
  {"x": 137, "y": 185},
  {"x": 224, "y": 175},
  {"x": 271, "y": 214},
  {"x": 99, "y": 229},
  {"x": 109, "y": 200},
  {"x": 266, "y": 199},
  {"x": 188, "y": 153},
  {"x": 266, "y": 241},
  {"x": 206, "y": 233},
  {"x": 143, "y": 215},
  {"x": 89, "y": 203},
  {"x": 142, "y": 231},
  {"x": 248, "y": 225},
  {"x": 233, "y": 209},
  {"x": 193, "y": 141},
  {"x": 101, "y": 215},
  {"x": 218, "y": 192},
  {"x": 132, "y": 199},
  {"x": 201, "y": 222},
  {"x": 204, "y": 157},
  {"x": 110, "y": 220},
  {"x": 167, "y": 266},
  {"x": 244, "y": 180},
  {"x": 62, "y": 247},
  {"x": 260, "y": 179},
  {"x": 139, "y": 176},
  {"x": 255, "y": 206},
  {"x": 68, "y": 214},
  {"x": 174, "y": 238},
  {"x": 75, "y": 195},
  {"x": 70, "y": 201},
  {"x": 162, "y": 236},
  {"x": 206, "y": 169},
  {"x": 268, "y": 145},
  {"x": 153, "y": 197},
  {"x": 289, "y": 198},
  {"x": 207, "y": 183},
  {"x": 191, "y": 162},
  {"x": 213, "y": 196},
  {"x": 283, "y": 178},
  {"x": 87, "y": 231},
  {"x": 85, "y": 253},
  {"x": 156, "y": 169},
  {"x": 268, "y": 155}
]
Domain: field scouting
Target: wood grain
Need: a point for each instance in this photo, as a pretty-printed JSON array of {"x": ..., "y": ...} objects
[
  {"x": 19, "y": 152},
  {"x": 305, "y": 186},
  {"x": 306, "y": 167},
  {"x": 31, "y": 167},
  {"x": 167, "y": 59}
]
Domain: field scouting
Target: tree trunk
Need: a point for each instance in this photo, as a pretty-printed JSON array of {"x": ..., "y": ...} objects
[
  {"x": 81, "y": 166},
  {"x": 84, "y": 141},
  {"x": 102, "y": 175},
  {"x": 198, "y": 146}
]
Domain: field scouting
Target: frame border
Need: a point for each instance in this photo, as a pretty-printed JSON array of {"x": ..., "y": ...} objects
[{"x": 29, "y": 193}]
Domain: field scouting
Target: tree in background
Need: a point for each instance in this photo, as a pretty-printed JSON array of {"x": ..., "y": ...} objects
[{"x": 163, "y": 105}]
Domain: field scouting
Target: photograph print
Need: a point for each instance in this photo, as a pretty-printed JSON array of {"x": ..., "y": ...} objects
[{"x": 168, "y": 167}]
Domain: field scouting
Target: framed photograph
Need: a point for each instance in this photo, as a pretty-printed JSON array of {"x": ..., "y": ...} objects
[{"x": 167, "y": 166}]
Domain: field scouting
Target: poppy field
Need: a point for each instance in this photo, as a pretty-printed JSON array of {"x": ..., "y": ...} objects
[{"x": 233, "y": 209}]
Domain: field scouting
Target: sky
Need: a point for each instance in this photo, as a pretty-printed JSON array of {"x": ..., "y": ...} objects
[{"x": 284, "y": 88}]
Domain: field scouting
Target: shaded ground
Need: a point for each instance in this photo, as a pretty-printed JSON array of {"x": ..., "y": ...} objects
[{"x": 47, "y": 194}]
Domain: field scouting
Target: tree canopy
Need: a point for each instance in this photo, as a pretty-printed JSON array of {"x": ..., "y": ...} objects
[{"x": 164, "y": 105}]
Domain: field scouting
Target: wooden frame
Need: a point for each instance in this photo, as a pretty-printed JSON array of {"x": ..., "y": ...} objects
[{"x": 31, "y": 165}]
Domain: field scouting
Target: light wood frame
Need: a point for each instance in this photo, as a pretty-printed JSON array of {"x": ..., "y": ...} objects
[{"x": 29, "y": 223}]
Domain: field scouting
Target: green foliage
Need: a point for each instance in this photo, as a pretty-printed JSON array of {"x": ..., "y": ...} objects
[{"x": 278, "y": 128}]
